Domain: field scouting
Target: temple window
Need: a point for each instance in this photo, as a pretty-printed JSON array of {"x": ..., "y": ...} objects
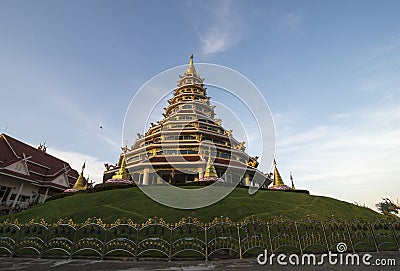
[
  {"x": 170, "y": 137},
  {"x": 188, "y": 137},
  {"x": 134, "y": 158},
  {"x": 170, "y": 152},
  {"x": 185, "y": 117},
  {"x": 224, "y": 155},
  {"x": 181, "y": 137}
]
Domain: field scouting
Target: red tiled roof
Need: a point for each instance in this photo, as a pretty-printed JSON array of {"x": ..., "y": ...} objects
[{"x": 42, "y": 167}]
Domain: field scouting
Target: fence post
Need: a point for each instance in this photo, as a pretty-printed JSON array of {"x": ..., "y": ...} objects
[
  {"x": 351, "y": 240},
  {"x": 73, "y": 243},
  {"x": 104, "y": 244},
  {"x": 269, "y": 237},
  {"x": 394, "y": 235},
  {"x": 298, "y": 237},
  {"x": 17, "y": 237},
  {"x": 326, "y": 239},
  {"x": 373, "y": 236},
  {"x": 44, "y": 240},
  {"x": 206, "y": 240},
  {"x": 170, "y": 243},
  {"x": 137, "y": 242},
  {"x": 239, "y": 241}
]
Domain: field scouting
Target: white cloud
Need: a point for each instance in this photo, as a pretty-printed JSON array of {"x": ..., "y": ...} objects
[
  {"x": 94, "y": 167},
  {"x": 380, "y": 69},
  {"x": 354, "y": 161},
  {"x": 214, "y": 40},
  {"x": 219, "y": 27},
  {"x": 385, "y": 48},
  {"x": 292, "y": 20},
  {"x": 108, "y": 139}
]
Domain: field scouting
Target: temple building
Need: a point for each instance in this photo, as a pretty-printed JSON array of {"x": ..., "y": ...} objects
[
  {"x": 188, "y": 145},
  {"x": 29, "y": 175}
]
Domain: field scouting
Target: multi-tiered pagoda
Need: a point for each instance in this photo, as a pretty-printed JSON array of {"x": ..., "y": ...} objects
[{"x": 188, "y": 144}]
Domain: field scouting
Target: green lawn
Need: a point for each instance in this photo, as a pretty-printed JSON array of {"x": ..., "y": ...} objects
[{"x": 132, "y": 203}]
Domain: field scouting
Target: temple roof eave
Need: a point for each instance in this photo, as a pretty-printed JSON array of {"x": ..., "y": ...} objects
[
  {"x": 173, "y": 131},
  {"x": 199, "y": 163},
  {"x": 195, "y": 158}
]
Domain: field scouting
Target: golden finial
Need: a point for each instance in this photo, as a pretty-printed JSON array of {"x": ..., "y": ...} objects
[
  {"x": 42, "y": 147},
  {"x": 191, "y": 69}
]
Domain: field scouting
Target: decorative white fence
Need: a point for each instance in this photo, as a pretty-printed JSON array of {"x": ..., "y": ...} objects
[{"x": 191, "y": 238}]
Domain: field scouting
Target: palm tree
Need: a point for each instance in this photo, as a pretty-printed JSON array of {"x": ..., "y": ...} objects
[{"x": 387, "y": 207}]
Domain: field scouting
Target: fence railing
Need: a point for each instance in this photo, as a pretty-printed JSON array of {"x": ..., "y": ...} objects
[{"x": 191, "y": 238}]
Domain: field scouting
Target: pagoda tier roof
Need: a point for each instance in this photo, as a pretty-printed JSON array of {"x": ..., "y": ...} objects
[
  {"x": 199, "y": 115},
  {"x": 188, "y": 144},
  {"x": 177, "y": 95},
  {"x": 205, "y": 119},
  {"x": 188, "y": 111},
  {"x": 171, "y": 101},
  {"x": 174, "y": 100},
  {"x": 182, "y": 131}
]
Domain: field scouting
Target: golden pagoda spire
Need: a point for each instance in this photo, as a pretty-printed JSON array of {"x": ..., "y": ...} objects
[
  {"x": 191, "y": 69},
  {"x": 277, "y": 177},
  {"x": 210, "y": 169},
  {"x": 122, "y": 172},
  {"x": 291, "y": 179},
  {"x": 81, "y": 183},
  {"x": 123, "y": 165}
]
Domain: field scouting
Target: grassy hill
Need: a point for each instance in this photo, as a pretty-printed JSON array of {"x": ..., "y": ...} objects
[{"x": 132, "y": 203}]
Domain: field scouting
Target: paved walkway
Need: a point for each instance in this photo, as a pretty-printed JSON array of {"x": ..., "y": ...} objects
[{"x": 8, "y": 264}]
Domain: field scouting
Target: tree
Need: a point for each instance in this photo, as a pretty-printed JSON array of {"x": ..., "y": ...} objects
[{"x": 387, "y": 207}]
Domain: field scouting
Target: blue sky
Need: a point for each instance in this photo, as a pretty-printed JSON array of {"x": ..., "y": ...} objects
[{"x": 329, "y": 70}]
